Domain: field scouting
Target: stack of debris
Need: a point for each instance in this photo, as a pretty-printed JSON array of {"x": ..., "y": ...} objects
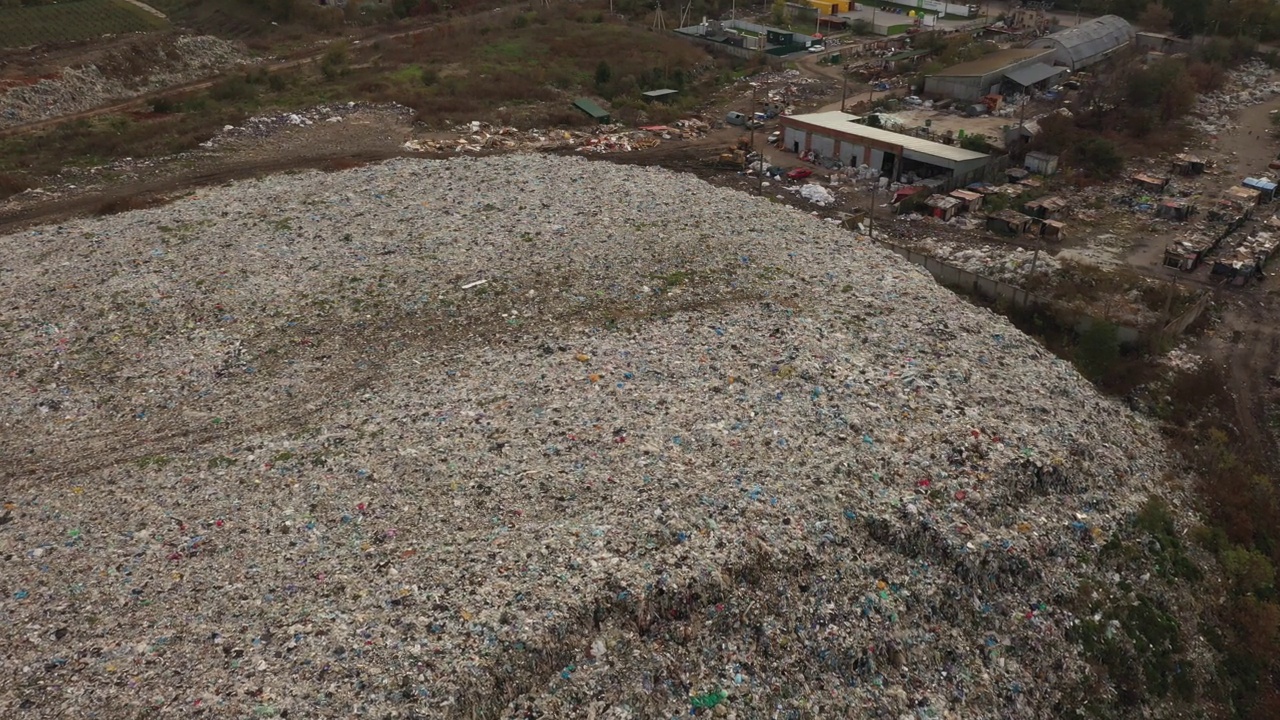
[{"x": 1246, "y": 85}]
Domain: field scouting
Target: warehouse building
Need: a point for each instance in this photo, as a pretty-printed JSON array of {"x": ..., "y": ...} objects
[
  {"x": 1087, "y": 43},
  {"x": 838, "y": 135},
  {"x": 1012, "y": 70}
]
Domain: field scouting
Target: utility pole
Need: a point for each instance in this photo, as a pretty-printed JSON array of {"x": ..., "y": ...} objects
[
  {"x": 844, "y": 91},
  {"x": 751, "y": 125},
  {"x": 871, "y": 224}
]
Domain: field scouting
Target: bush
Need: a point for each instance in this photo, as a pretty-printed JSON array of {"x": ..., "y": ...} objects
[
  {"x": 164, "y": 106},
  {"x": 1098, "y": 157},
  {"x": 976, "y": 143},
  {"x": 334, "y": 63},
  {"x": 233, "y": 89},
  {"x": 1098, "y": 350},
  {"x": 11, "y": 185}
]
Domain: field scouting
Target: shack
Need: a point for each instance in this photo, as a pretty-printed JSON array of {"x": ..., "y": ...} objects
[
  {"x": 1015, "y": 174},
  {"x": 1266, "y": 189},
  {"x": 1175, "y": 209},
  {"x": 663, "y": 95},
  {"x": 1247, "y": 198},
  {"x": 597, "y": 113},
  {"x": 1185, "y": 164},
  {"x": 1046, "y": 208},
  {"x": 970, "y": 201},
  {"x": 1247, "y": 260},
  {"x": 1041, "y": 163},
  {"x": 1185, "y": 255},
  {"x": 1008, "y": 222},
  {"x": 1053, "y": 230},
  {"x": 1150, "y": 183},
  {"x": 943, "y": 207}
]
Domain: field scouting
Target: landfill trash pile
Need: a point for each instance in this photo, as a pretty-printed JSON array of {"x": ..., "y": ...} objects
[
  {"x": 1246, "y": 85},
  {"x": 998, "y": 262},
  {"x": 261, "y": 126},
  {"x": 479, "y": 136},
  {"x": 1180, "y": 358},
  {"x": 479, "y": 437},
  {"x": 182, "y": 59},
  {"x": 816, "y": 194}
]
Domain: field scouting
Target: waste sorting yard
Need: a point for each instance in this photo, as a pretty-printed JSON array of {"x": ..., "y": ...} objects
[{"x": 533, "y": 436}]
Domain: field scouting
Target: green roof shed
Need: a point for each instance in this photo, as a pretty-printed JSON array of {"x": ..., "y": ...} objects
[{"x": 596, "y": 112}]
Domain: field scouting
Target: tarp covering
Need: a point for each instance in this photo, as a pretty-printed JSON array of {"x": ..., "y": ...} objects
[{"x": 1032, "y": 74}]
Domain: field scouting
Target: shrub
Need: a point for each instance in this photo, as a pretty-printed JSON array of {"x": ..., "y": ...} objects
[
  {"x": 11, "y": 185},
  {"x": 164, "y": 106}
]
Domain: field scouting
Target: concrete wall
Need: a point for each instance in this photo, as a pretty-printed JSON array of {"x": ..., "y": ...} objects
[
  {"x": 991, "y": 289},
  {"x": 961, "y": 88}
]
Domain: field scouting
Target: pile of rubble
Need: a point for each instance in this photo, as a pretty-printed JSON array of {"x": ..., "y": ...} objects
[
  {"x": 1246, "y": 85},
  {"x": 480, "y": 136},
  {"x": 140, "y": 68},
  {"x": 533, "y": 436},
  {"x": 261, "y": 126},
  {"x": 998, "y": 262}
]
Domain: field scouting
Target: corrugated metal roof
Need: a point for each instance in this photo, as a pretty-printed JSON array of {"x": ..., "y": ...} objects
[
  {"x": 1033, "y": 74},
  {"x": 840, "y": 122},
  {"x": 589, "y": 107},
  {"x": 990, "y": 63},
  {"x": 1090, "y": 39}
]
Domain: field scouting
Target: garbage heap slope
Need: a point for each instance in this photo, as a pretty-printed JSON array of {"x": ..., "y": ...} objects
[{"x": 485, "y": 437}]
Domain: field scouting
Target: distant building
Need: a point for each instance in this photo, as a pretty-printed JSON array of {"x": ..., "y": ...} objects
[
  {"x": 1015, "y": 69},
  {"x": 1087, "y": 43},
  {"x": 835, "y": 135}
]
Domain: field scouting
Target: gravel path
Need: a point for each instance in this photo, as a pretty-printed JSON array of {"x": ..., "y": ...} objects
[{"x": 530, "y": 434}]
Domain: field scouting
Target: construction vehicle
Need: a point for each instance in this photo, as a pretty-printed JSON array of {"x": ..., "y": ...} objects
[{"x": 738, "y": 155}]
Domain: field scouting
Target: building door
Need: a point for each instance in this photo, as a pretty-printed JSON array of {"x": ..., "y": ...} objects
[{"x": 795, "y": 146}]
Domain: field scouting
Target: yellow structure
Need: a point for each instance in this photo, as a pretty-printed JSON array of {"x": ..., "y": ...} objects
[{"x": 830, "y": 7}]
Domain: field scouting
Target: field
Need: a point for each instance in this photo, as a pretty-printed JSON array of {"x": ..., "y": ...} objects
[
  {"x": 525, "y": 72},
  {"x": 69, "y": 21}
]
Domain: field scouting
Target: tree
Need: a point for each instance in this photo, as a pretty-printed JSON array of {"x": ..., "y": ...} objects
[
  {"x": 1156, "y": 18},
  {"x": 1099, "y": 349},
  {"x": 1098, "y": 157},
  {"x": 779, "y": 12},
  {"x": 603, "y": 74}
]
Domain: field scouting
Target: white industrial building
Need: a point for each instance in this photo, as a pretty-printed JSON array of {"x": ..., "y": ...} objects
[
  {"x": 1087, "y": 43},
  {"x": 840, "y": 136}
]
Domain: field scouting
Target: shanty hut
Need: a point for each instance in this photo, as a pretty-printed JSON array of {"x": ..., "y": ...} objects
[
  {"x": 943, "y": 207},
  {"x": 1150, "y": 183},
  {"x": 1265, "y": 188},
  {"x": 1046, "y": 208},
  {"x": 1008, "y": 222},
  {"x": 1041, "y": 163},
  {"x": 1188, "y": 164},
  {"x": 1175, "y": 209},
  {"x": 970, "y": 201}
]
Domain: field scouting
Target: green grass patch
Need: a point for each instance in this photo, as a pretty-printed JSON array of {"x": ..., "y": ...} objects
[{"x": 71, "y": 20}]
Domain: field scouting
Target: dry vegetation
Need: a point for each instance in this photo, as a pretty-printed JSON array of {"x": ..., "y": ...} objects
[{"x": 516, "y": 68}]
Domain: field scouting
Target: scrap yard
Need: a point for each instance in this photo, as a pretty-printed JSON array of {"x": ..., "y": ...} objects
[{"x": 608, "y": 360}]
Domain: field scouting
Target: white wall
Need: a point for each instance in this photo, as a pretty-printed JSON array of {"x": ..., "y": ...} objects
[
  {"x": 824, "y": 145},
  {"x": 792, "y": 135}
]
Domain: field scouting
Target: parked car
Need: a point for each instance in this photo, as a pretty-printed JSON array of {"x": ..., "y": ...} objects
[
  {"x": 774, "y": 137},
  {"x": 754, "y": 124},
  {"x": 735, "y": 118},
  {"x": 817, "y": 48},
  {"x": 799, "y": 173},
  {"x": 912, "y": 100}
]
